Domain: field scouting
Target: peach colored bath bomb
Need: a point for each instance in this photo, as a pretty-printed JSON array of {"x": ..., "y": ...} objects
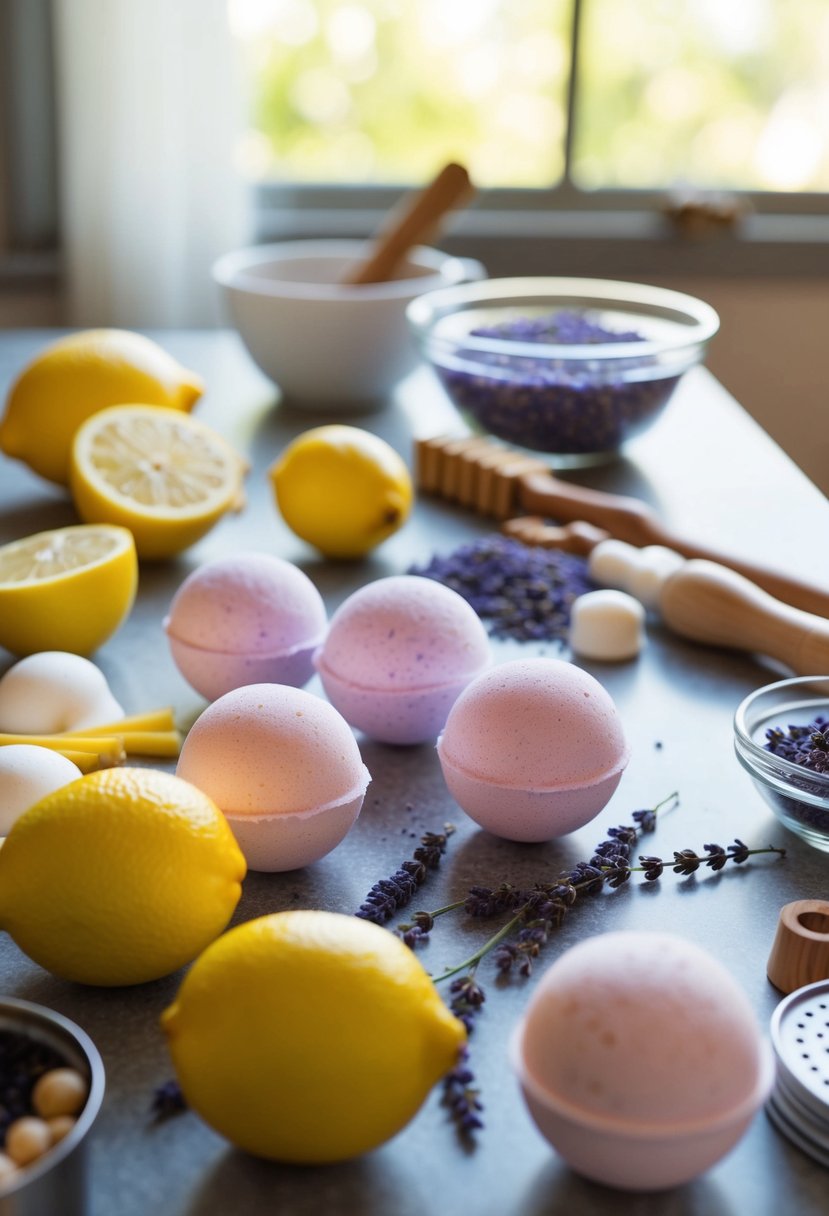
[
  {"x": 641, "y": 1059},
  {"x": 246, "y": 619},
  {"x": 397, "y": 653},
  {"x": 533, "y": 749},
  {"x": 285, "y": 769}
]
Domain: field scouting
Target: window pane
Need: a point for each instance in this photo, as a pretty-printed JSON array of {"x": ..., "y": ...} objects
[
  {"x": 729, "y": 94},
  {"x": 386, "y": 90}
]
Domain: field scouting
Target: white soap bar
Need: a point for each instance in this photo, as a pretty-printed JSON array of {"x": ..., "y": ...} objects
[{"x": 607, "y": 625}]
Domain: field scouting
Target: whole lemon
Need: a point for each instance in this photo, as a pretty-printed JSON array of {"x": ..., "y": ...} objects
[
  {"x": 79, "y": 375},
  {"x": 309, "y": 1036},
  {"x": 119, "y": 877},
  {"x": 342, "y": 489}
]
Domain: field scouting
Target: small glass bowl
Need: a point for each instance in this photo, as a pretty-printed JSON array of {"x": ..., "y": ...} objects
[
  {"x": 798, "y": 796},
  {"x": 567, "y": 367}
]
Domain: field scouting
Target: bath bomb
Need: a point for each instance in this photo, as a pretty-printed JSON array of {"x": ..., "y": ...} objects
[
  {"x": 250, "y": 618},
  {"x": 397, "y": 653},
  {"x": 53, "y": 691},
  {"x": 533, "y": 749},
  {"x": 285, "y": 769},
  {"x": 641, "y": 1059},
  {"x": 27, "y": 774}
]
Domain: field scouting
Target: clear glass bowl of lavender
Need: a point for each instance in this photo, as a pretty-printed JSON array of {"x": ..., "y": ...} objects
[
  {"x": 571, "y": 368},
  {"x": 781, "y": 737}
]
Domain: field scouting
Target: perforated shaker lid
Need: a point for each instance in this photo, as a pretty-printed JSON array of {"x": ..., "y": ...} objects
[{"x": 799, "y": 1103}]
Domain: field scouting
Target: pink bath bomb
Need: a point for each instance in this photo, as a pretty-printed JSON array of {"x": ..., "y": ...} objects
[
  {"x": 641, "y": 1059},
  {"x": 250, "y": 618},
  {"x": 285, "y": 769},
  {"x": 397, "y": 653},
  {"x": 533, "y": 749}
]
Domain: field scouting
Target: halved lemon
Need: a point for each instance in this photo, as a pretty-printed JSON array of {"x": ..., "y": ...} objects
[
  {"x": 66, "y": 589},
  {"x": 164, "y": 475}
]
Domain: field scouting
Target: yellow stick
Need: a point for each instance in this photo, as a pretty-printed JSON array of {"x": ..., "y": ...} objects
[
  {"x": 104, "y": 745},
  {"x": 86, "y": 761},
  {"x": 155, "y": 719},
  {"x": 161, "y": 743}
]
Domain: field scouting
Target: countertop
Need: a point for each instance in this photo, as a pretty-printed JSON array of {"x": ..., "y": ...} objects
[{"x": 712, "y": 473}]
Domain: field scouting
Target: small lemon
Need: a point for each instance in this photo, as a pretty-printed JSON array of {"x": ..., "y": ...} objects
[
  {"x": 164, "y": 475},
  {"x": 67, "y": 589},
  {"x": 120, "y": 877},
  {"x": 342, "y": 489},
  {"x": 78, "y": 375},
  {"x": 309, "y": 1037}
]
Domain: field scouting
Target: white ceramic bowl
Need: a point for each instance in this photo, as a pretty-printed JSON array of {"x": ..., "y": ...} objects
[{"x": 324, "y": 343}]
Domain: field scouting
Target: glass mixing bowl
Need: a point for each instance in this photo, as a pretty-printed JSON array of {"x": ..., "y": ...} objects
[
  {"x": 568, "y": 367},
  {"x": 797, "y": 794}
]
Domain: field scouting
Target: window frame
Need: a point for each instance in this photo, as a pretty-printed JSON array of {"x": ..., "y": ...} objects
[{"x": 784, "y": 234}]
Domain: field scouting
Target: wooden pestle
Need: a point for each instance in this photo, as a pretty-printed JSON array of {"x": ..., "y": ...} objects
[
  {"x": 710, "y": 603},
  {"x": 414, "y": 225}
]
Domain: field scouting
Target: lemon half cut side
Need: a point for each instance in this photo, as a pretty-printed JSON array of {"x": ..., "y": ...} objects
[
  {"x": 66, "y": 589},
  {"x": 166, "y": 476}
]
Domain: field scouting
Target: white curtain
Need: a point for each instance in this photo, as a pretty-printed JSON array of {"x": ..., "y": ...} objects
[{"x": 150, "y": 112}]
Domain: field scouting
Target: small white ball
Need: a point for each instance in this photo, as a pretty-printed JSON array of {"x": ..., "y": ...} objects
[
  {"x": 607, "y": 625},
  {"x": 7, "y": 1168},
  {"x": 27, "y": 774}
]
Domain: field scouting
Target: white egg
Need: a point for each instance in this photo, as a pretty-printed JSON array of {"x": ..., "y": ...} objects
[
  {"x": 54, "y": 691},
  {"x": 27, "y": 774}
]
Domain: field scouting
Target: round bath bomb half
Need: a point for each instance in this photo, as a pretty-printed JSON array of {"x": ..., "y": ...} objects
[
  {"x": 641, "y": 1059},
  {"x": 250, "y": 618},
  {"x": 285, "y": 769},
  {"x": 533, "y": 749},
  {"x": 397, "y": 653}
]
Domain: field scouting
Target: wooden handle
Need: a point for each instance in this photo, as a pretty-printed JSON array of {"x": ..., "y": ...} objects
[
  {"x": 713, "y": 604},
  {"x": 634, "y": 521},
  {"x": 414, "y": 225}
]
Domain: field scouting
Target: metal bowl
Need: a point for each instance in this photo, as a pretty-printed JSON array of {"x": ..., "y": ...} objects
[{"x": 55, "y": 1184}]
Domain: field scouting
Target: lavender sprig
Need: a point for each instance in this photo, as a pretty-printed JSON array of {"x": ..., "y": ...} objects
[{"x": 389, "y": 895}]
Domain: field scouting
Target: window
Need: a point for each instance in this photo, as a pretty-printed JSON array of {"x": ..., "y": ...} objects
[{"x": 579, "y": 118}]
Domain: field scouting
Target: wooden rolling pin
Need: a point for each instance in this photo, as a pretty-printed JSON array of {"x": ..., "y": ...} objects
[
  {"x": 497, "y": 481},
  {"x": 710, "y": 603}
]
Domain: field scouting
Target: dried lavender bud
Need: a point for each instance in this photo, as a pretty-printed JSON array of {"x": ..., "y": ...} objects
[
  {"x": 804, "y": 744},
  {"x": 389, "y": 895},
  {"x": 652, "y": 868},
  {"x": 483, "y": 901},
  {"x": 739, "y": 852},
  {"x": 168, "y": 1100},
  {"x": 519, "y": 591},
  {"x": 717, "y": 856},
  {"x": 461, "y": 1098}
]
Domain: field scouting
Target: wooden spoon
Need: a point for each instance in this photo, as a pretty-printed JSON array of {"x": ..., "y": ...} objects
[{"x": 417, "y": 220}]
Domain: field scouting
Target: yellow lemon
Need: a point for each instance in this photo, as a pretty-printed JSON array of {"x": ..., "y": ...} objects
[
  {"x": 119, "y": 877},
  {"x": 67, "y": 589},
  {"x": 164, "y": 475},
  {"x": 75, "y": 377},
  {"x": 309, "y": 1037},
  {"x": 342, "y": 489}
]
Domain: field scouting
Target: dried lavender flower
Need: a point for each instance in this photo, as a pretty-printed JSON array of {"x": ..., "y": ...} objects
[
  {"x": 806, "y": 744},
  {"x": 519, "y": 591},
  {"x": 168, "y": 1100},
  {"x": 389, "y": 895}
]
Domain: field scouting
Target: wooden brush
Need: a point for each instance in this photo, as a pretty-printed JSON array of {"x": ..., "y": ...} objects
[
  {"x": 479, "y": 473},
  {"x": 414, "y": 225}
]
